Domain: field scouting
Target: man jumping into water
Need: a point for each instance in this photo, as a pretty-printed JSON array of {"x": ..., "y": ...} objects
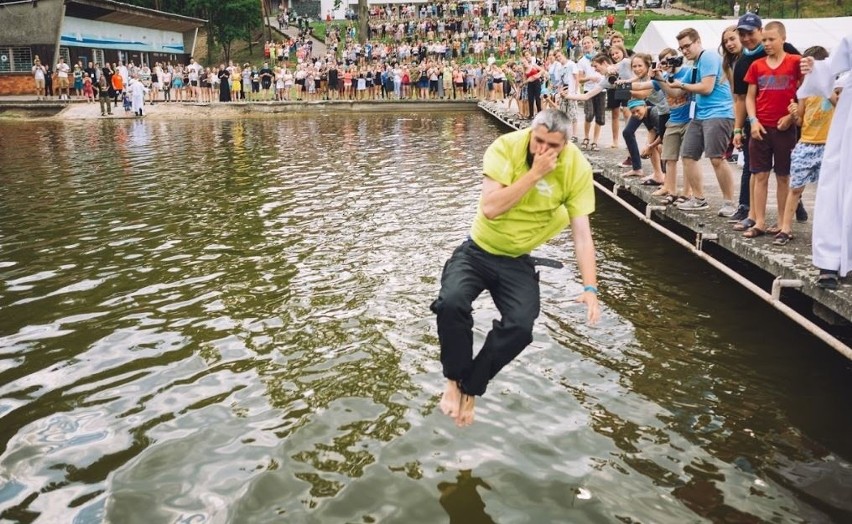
[{"x": 535, "y": 183}]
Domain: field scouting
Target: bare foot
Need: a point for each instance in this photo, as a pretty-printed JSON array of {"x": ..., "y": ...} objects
[
  {"x": 465, "y": 416},
  {"x": 633, "y": 172},
  {"x": 451, "y": 399}
]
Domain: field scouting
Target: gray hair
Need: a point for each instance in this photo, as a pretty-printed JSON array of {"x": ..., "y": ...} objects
[{"x": 554, "y": 120}]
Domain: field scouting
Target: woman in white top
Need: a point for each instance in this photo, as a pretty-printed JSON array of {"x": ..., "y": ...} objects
[{"x": 288, "y": 83}]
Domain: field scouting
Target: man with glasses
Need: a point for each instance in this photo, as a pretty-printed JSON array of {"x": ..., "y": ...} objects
[{"x": 713, "y": 120}]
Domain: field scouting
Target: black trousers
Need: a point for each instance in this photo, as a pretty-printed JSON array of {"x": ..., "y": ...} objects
[
  {"x": 534, "y": 96},
  {"x": 513, "y": 285}
]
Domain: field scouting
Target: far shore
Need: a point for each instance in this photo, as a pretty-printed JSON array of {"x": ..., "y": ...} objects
[{"x": 25, "y": 108}]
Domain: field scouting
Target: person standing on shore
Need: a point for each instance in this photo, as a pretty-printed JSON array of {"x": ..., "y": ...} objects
[
  {"x": 62, "y": 72},
  {"x": 535, "y": 183},
  {"x": 832, "y": 233},
  {"x": 710, "y": 131},
  {"x": 39, "y": 73},
  {"x": 104, "y": 97}
]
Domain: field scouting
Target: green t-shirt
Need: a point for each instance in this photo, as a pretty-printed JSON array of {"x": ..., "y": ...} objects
[{"x": 545, "y": 210}]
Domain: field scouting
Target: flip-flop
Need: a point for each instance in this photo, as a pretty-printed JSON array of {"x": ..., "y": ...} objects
[
  {"x": 744, "y": 224},
  {"x": 651, "y": 182},
  {"x": 828, "y": 279},
  {"x": 773, "y": 230},
  {"x": 782, "y": 239},
  {"x": 754, "y": 232}
]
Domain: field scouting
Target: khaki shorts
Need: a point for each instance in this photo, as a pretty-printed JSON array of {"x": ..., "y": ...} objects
[
  {"x": 672, "y": 140},
  {"x": 710, "y": 137},
  {"x": 39, "y": 83},
  {"x": 63, "y": 82}
]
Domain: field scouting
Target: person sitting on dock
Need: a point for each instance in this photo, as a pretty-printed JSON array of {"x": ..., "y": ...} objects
[{"x": 535, "y": 183}]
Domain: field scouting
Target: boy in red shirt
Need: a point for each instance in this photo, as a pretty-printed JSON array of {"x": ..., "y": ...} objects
[{"x": 773, "y": 81}]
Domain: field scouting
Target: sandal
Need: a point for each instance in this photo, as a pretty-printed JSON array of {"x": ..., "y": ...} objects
[
  {"x": 681, "y": 199},
  {"x": 744, "y": 224},
  {"x": 595, "y": 146},
  {"x": 754, "y": 232},
  {"x": 668, "y": 199},
  {"x": 662, "y": 192},
  {"x": 585, "y": 144},
  {"x": 782, "y": 238},
  {"x": 773, "y": 230},
  {"x": 828, "y": 279},
  {"x": 651, "y": 182}
]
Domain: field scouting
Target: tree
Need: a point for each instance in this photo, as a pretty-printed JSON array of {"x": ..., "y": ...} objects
[
  {"x": 363, "y": 21},
  {"x": 226, "y": 21}
]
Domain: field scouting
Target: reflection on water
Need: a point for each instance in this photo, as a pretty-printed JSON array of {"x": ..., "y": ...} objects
[{"x": 228, "y": 322}]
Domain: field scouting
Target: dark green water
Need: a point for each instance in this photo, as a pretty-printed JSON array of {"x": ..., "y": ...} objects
[{"x": 206, "y": 321}]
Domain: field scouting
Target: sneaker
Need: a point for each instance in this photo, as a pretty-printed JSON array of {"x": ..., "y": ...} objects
[
  {"x": 801, "y": 213},
  {"x": 693, "y": 204},
  {"x": 741, "y": 214},
  {"x": 728, "y": 209}
]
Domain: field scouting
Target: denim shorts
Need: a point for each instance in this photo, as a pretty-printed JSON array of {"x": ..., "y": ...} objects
[{"x": 806, "y": 161}]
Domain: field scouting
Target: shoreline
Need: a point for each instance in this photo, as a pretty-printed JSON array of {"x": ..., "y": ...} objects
[{"x": 23, "y": 108}]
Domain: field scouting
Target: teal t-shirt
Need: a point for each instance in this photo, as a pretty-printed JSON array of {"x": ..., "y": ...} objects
[
  {"x": 719, "y": 103},
  {"x": 545, "y": 210}
]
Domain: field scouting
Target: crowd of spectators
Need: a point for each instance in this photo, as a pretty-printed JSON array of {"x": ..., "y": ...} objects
[{"x": 697, "y": 99}]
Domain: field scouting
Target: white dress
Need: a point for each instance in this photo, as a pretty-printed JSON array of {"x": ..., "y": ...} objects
[
  {"x": 137, "y": 94},
  {"x": 832, "y": 234}
]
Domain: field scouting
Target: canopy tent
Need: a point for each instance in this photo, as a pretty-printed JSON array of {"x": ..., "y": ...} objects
[{"x": 801, "y": 32}]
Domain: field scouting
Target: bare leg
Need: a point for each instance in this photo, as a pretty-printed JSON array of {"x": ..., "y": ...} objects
[
  {"x": 451, "y": 399},
  {"x": 465, "y": 416}
]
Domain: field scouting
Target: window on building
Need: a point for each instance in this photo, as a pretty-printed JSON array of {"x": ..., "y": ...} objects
[
  {"x": 66, "y": 54},
  {"x": 16, "y": 59},
  {"x": 98, "y": 56}
]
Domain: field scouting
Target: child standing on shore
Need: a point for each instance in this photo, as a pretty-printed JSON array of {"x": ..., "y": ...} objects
[
  {"x": 88, "y": 89},
  {"x": 773, "y": 81},
  {"x": 813, "y": 114}
]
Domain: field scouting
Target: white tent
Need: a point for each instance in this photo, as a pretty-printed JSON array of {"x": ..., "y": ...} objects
[{"x": 801, "y": 32}]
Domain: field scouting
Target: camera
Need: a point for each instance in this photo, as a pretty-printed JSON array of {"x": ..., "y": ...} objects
[
  {"x": 653, "y": 65},
  {"x": 674, "y": 61},
  {"x": 622, "y": 92},
  {"x": 612, "y": 79}
]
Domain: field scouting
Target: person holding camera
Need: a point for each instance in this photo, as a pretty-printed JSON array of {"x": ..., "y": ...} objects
[
  {"x": 671, "y": 133},
  {"x": 618, "y": 53},
  {"x": 710, "y": 130},
  {"x": 642, "y": 66}
]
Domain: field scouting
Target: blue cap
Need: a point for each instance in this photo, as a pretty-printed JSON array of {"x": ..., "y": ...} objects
[
  {"x": 635, "y": 102},
  {"x": 750, "y": 22}
]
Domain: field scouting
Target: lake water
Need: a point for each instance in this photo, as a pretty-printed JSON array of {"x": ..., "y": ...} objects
[{"x": 227, "y": 321}]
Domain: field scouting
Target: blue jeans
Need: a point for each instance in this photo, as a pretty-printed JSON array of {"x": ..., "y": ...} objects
[
  {"x": 513, "y": 285},
  {"x": 629, "y": 135}
]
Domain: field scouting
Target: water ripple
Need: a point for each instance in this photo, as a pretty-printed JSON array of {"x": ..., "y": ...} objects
[{"x": 227, "y": 321}]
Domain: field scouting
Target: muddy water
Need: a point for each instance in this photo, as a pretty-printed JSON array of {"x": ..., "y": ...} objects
[{"x": 227, "y": 321}]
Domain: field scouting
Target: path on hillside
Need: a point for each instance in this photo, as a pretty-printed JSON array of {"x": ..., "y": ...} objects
[{"x": 319, "y": 48}]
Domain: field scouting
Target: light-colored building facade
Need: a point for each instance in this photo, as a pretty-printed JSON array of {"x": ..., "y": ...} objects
[{"x": 97, "y": 31}]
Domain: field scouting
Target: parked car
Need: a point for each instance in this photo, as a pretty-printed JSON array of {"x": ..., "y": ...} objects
[
  {"x": 620, "y": 7},
  {"x": 654, "y": 4},
  {"x": 590, "y": 9},
  {"x": 606, "y": 4}
]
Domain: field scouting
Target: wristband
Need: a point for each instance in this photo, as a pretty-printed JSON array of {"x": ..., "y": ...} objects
[
  {"x": 738, "y": 131},
  {"x": 752, "y": 119},
  {"x": 590, "y": 289}
]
